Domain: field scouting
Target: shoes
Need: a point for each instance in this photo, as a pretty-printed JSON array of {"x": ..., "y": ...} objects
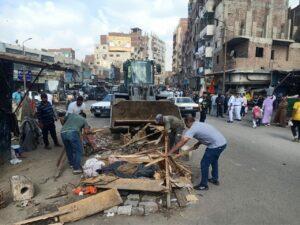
[
  {"x": 239, "y": 120},
  {"x": 213, "y": 181},
  {"x": 254, "y": 126},
  {"x": 76, "y": 172},
  {"x": 201, "y": 187},
  {"x": 229, "y": 121},
  {"x": 48, "y": 147},
  {"x": 296, "y": 139}
]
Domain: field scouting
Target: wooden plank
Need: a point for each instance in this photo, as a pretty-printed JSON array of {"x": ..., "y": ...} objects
[
  {"x": 135, "y": 185},
  {"x": 167, "y": 170},
  {"x": 43, "y": 217},
  {"x": 181, "y": 196},
  {"x": 149, "y": 135},
  {"x": 155, "y": 161},
  {"x": 91, "y": 205}
]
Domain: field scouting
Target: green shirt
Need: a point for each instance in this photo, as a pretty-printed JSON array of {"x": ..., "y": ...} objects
[
  {"x": 74, "y": 122},
  {"x": 173, "y": 123}
]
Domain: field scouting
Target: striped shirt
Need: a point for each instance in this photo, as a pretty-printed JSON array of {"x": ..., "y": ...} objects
[{"x": 45, "y": 113}]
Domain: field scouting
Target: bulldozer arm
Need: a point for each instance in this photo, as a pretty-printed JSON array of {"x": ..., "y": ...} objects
[{"x": 133, "y": 113}]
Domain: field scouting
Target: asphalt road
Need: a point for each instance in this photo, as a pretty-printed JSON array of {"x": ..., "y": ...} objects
[{"x": 259, "y": 175}]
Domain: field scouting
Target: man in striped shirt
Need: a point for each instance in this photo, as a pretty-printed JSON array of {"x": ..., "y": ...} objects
[{"x": 46, "y": 117}]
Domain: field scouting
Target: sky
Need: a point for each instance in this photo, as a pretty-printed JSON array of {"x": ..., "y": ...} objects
[{"x": 79, "y": 23}]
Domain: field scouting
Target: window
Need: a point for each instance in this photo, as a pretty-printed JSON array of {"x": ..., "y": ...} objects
[
  {"x": 272, "y": 54},
  {"x": 217, "y": 22},
  {"x": 118, "y": 55},
  {"x": 216, "y": 44},
  {"x": 217, "y": 59},
  {"x": 259, "y": 52},
  {"x": 111, "y": 55}
]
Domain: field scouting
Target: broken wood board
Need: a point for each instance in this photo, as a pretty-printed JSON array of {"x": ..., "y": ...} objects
[
  {"x": 43, "y": 217},
  {"x": 181, "y": 196},
  {"x": 101, "y": 179},
  {"x": 91, "y": 205},
  {"x": 135, "y": 185}
]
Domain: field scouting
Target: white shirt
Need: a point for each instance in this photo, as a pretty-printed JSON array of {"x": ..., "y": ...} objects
[
  {"x": 74, "y": 108},
  {"x": 50, "y": 98},
  {"x": 231, "y": 100},
  {"x": 238, "y": 101}
]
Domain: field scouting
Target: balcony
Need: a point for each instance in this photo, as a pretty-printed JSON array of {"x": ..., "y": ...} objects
[
  {"x": 208, "y": 52},
  {"x": 207, "y": 71},
  {"x": 207, "y": 8},
  {"x": 207, "y": 32}
]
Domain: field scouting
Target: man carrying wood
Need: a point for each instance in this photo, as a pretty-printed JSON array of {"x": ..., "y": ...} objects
[
  {"x": 173, "y": 125},
  {"x": 73, "y": 125},
  {"x": 216, "y": 144}
]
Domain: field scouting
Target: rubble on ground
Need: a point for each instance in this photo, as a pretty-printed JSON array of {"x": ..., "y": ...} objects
[{"x": 133, "y": 176}]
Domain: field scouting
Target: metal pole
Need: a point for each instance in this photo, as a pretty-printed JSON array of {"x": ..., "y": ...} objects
[
  {"x": 23, "y": 67},
  {"x": 225, "y": 59}
]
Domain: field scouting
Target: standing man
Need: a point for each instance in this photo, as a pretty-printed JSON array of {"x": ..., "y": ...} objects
[
  {"x": 203, "y": 105},
  {"x": 173, "y": 125},
  {"x": 230, "y": 108},
  {"x": 220, "y": 103},
  {"x": 216, "y": 144},
  {"x": 76, "y": 107},
  {"x": 17, "y": 96},
  {"x": 71, "y": 131},
  {"x": 237, "y": 106},
  {"x": 296, "y": 120},
  {"x": 213, "y": 105},
  {"x": 46, "y": 117}
]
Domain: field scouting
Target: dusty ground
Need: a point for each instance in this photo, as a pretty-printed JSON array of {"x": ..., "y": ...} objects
[{"x": 259, "y": 172}]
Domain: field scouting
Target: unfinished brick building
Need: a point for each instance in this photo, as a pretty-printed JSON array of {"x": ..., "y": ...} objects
[{"x": 260, "y": 38}]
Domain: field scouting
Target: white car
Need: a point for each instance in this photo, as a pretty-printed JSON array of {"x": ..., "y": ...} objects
[
  {"x": 186, "y": 105},
  {"x": 102, "y": 108}
]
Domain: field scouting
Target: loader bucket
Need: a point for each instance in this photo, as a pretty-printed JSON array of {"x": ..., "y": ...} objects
[{"x": 133, "y": 113}]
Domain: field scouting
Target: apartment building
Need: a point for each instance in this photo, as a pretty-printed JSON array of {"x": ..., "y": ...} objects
[
  {"x": 178, "y": 39},
  {"x": 243, "y": 41}
]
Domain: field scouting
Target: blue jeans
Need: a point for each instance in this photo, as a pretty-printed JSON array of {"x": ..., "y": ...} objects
[
  {"x": 210, "y": 157},
  {"x": 73, "y": 145}
]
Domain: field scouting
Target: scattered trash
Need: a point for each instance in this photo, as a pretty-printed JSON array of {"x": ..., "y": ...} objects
[
  {"x": 85, "y": 190},
  {"x": 15, "y": 161},
  {"x": 91, "y": 166}
]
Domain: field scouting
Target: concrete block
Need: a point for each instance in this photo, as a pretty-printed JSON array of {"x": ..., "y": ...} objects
[
  {"x": 150, "y": 207},
  {"x": 131, "y": 202},
  {"x": 111, "y": 210},
  {"x": 149, "y": 198},
  {"x": 125, "y": 210},
  {"x": 138, "y": 211},
  {"x": 22, "y": 188},
  {"x": 134, "y": 197}
]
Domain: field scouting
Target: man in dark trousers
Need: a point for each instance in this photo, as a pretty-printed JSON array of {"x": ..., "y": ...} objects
[
  {"x": 203, "y": 105},
  {"x": 46, "y": 117},
  {"x": 220, "y": 104},
  {"x": 216, "y": 144}
]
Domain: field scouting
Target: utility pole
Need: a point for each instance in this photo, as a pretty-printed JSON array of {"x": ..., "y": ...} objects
[
  {"x": 225, "y": 59},
  {"x": 23, "y": 68}
]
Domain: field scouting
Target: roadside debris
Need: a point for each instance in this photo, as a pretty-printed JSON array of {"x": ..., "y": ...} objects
[{"x": 22, "y": 188}]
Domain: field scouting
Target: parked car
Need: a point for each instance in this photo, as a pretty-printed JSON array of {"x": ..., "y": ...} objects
[
  {"x": 186, "y": 105},
  {"x": 102, "y": 108},
  {"x": 97, "y": 93}
]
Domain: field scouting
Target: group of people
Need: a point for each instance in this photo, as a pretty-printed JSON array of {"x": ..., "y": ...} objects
[{"x": 237, "y": 106}]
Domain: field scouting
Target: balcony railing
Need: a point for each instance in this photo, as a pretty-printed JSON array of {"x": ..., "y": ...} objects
[{"x": 207, "y": 32}]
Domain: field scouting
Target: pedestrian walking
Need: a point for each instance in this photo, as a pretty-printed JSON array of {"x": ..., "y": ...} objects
[
  {"x": 203, "y": 106},
  {"x": 244, "y": 106},
  {"x": 173, "y": 125},
  {"x": 268, "y": 110},
  {"x": 71, "y": 131},
  {"x": 226, "y": 99},
  {"x": 213, "y": 105},
  {"x": 296, "y": 120},
  {"x": 216, "y": 144},
  {"x": 220, "y": 103},
  {"x": 46, "y": 118},
  {"x": 231, "y": 108},
  {"x": 256, "y": 116},
  {"x": 280, "y": 116}
]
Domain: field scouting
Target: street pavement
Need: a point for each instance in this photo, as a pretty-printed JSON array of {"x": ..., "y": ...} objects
[{"x": 259, "y": 176}]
